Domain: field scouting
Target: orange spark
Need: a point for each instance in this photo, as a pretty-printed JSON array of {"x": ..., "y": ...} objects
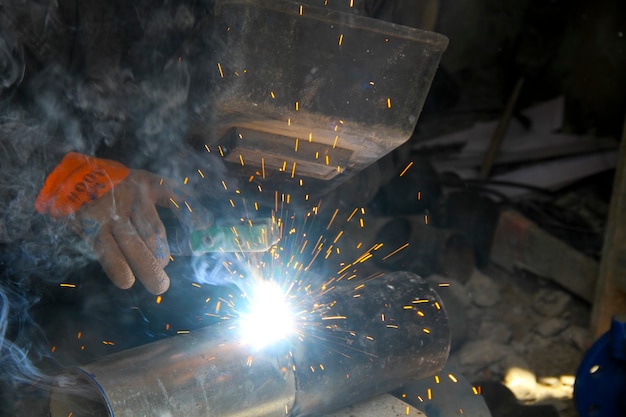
[
  {"x": 352, "y": 215},
  {"x": 396, "y": 251},
  {"x": 406, "y": 169},
  {"x": 334, "y": 318},
  {"x": 332, "y": 219}
]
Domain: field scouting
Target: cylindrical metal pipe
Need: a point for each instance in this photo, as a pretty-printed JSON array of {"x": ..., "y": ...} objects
[
  {"x": 204, "y": 373},
  {"x": 362, "y": 339},
  {"x": 389, "y": 331}
]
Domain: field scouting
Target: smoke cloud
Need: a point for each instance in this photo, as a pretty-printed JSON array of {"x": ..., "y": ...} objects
[{"x": 118, "y": 80}]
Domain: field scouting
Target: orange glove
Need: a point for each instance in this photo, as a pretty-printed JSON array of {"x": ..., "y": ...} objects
[{"x": 113, "y": 207}]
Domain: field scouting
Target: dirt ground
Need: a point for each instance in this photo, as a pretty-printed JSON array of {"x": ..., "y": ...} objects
[{"x": 532, "y": 338}]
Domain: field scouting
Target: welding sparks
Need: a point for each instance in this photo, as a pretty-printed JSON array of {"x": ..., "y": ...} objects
[
  {"x": 395, "y": 251},
  {"x": 406, "y": 169},
  {"x": 352, "y": 214},
  {"x": 288, "y": 304}
]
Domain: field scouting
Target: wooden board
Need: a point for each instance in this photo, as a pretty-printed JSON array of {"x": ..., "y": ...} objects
[{"x": 610, "y": 293}]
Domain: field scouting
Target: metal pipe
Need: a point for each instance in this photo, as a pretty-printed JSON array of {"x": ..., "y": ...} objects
[
  {"x": 395, "y": 331},
  {"x": 364, "y": 339},
  {"x": 204, "y": 373}
]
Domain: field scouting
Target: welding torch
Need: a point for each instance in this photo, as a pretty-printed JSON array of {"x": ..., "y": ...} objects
[{"x": 192, "y": 238}]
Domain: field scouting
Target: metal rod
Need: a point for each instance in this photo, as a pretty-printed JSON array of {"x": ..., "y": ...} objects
[{"x": 500, "y": 132}]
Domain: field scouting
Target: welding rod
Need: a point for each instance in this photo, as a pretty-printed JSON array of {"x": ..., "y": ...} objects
[{"x": 366, "y": 339}]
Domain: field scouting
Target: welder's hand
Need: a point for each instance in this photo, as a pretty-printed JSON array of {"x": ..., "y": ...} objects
[{"x": 113, "y": 207}]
